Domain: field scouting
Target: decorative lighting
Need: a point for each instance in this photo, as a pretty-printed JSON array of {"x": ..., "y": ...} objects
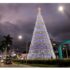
[
  {"x": 40, "y": 47},
  {"x": 54, "y": 44}
]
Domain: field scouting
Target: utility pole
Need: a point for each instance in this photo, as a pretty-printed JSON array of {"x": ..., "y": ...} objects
[
  {"x": 26, "y": 50},
  {"x": 66, "y": 52}
]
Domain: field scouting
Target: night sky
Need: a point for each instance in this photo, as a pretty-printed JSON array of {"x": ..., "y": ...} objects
[{"x": 19, "y": 19}]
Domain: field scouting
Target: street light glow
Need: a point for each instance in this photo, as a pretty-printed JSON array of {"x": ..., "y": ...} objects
[
  {"x": 60, "y": 8},
  {"x": 20, "y": 37}
]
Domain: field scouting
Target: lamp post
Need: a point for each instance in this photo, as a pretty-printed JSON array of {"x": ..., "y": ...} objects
[
  {"x": 62, "y": 10},
  {"x": 66, "y": 52},
  {"x": 26, "y": 50}
]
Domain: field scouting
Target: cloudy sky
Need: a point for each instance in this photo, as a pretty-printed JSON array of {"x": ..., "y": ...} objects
[{"x": 19, "y": 19}]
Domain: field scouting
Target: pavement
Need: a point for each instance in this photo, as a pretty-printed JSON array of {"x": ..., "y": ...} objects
[{"x": 13, "y": 65}]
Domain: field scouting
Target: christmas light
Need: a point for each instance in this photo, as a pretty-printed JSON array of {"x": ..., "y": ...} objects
[{"x": 40, "y": 47}]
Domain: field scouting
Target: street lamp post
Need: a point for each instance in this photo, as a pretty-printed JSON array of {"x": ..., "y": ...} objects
[
  {"x": 26, "y": 50},
  {"x": 62, "y": 10},
  {"x": 66, "y": 52}
]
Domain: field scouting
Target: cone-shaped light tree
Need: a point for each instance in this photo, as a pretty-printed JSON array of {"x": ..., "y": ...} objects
[{"x": 40, "y": 47}]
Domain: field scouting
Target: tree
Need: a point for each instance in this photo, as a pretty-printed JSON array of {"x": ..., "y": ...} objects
[
  {"x": 6, "y": 43},
  {"x": 40, "y": 41}
]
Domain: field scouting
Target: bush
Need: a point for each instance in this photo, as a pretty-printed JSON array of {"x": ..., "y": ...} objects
[{"x": 58, "y": 62}]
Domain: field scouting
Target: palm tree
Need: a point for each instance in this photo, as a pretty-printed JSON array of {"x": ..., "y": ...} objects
[{"x": 6, "y": 43}]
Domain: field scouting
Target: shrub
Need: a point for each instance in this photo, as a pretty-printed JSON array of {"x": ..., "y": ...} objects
[{"x": 58, "y": 62}]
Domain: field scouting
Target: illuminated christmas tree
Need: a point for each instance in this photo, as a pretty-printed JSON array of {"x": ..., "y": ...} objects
[{"x": 41, "y": 47}]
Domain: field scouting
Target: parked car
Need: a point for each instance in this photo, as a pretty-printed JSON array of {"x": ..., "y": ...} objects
[{"x": 8, "y": 60}]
